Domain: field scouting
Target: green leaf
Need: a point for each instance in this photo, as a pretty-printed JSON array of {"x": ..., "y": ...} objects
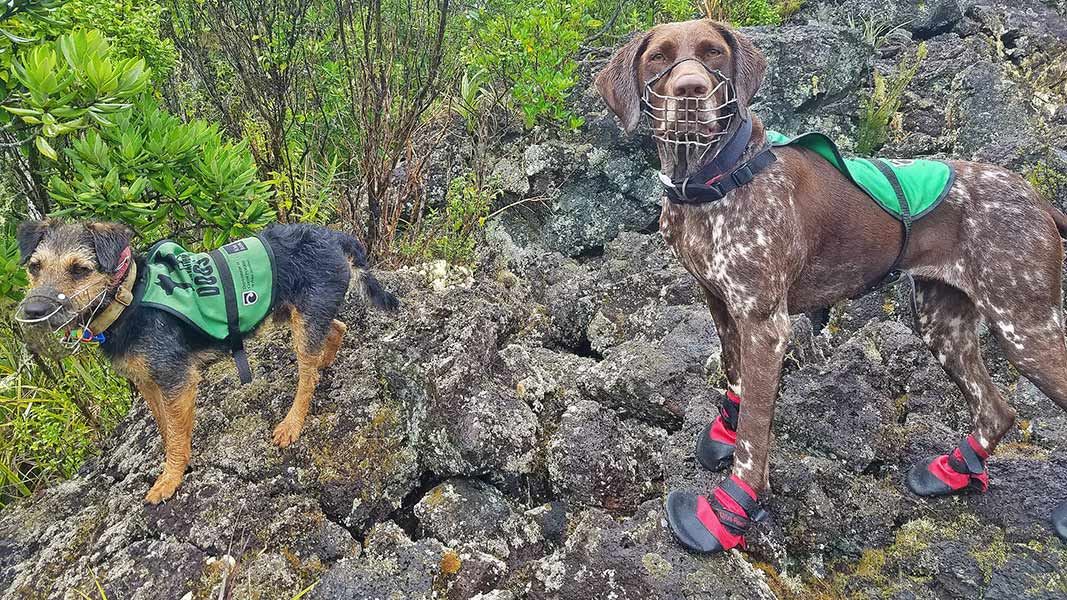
[{"x": 45, "y": 148}]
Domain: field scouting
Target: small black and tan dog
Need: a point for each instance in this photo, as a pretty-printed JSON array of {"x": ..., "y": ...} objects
[{"x": 83, "y": 273}]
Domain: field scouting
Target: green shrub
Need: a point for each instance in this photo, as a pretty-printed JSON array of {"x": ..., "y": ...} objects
[
  {"x": 51, "y": 416},
  {"x": 131, "y": 26},
  {"x": 882, "y": 104},
  {"x": 744, "y": 13},
  {"x": 531, "y": 47},
  {"x": 164, "y": 178},
  {"x": 72, "y": 84},
  {"x": 12, "y": 277}
]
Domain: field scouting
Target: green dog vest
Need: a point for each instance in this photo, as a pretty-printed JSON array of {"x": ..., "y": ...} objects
[
  {"x": 224, "y": 293},
  {"x": 922, "y": 183}
]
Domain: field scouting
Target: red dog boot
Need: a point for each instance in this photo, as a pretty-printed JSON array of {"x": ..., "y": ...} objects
[
  {"x": 1059, "y": 521},
  {"x": 962, "y": 470},
  {"x": 715, "y": 525},
  {"x": 715, "y": 445}
]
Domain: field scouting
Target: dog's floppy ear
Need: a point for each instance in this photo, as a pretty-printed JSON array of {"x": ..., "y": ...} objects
[
  {"x": 109, "y": 240},
  {"x": 29, "y": 236},
  {"x": 618, "y": 84},
  {"x": 749, "y": 63}
]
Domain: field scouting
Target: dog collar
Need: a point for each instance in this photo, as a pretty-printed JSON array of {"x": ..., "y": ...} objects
[
  {"x": 722, "y": 174},
  {"x": 122, "y": 283}
]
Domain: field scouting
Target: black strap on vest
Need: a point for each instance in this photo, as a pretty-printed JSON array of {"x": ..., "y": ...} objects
[
  {"x": 905, "y": 211},
  {"x": 237, "y": 346}
]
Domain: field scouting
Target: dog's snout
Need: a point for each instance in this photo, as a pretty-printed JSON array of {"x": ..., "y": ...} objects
[
  {"x": 35, "y": 309},
  {"x": 690, "y": 85}
]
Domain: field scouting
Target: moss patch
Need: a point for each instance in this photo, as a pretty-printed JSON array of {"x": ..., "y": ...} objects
[{"x": 450, "y": 563}]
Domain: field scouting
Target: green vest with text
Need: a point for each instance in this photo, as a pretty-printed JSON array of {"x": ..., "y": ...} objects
[{"x": 223, "y": 293}]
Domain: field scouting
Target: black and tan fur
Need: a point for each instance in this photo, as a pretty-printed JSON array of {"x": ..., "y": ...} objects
[{"x": 160, "y": 354}]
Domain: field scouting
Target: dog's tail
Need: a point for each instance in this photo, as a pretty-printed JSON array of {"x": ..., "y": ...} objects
[
  {"x": 1060, "y": 219},
  {"x": 369, "y": 285}
]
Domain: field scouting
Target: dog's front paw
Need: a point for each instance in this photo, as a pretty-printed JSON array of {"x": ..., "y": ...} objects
[
  {"x": 163, "y": 489},
  {"x": 286, "y": 433}
]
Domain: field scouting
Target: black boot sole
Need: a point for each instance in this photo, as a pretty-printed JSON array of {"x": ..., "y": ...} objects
[
  {"x": 688, "y": 531},
  {"x": 922, "y": 482}
]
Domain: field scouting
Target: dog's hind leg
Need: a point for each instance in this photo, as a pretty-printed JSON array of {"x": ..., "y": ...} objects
[
  {"x": 333, "y": 342},
  {"x": 178, "y": 422},
  {"x": 309, "y": 341},
  {"x": 948, "y": 321},
  {"x": 1032, "y": 339}
]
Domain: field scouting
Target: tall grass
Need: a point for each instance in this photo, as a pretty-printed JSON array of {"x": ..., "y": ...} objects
[{"x": 51, "y": 415}]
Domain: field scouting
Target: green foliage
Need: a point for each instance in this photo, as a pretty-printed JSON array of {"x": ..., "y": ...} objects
[
  {"x": 163, "y": 177},
  {"x": 310, "y": 196},
  {"x": 12, "y": 277},
  {"x": 882, "y": 104},
  {"x": 744, "y": 13},
  {"x": 531, "y": 47},
  {"x": 70, "y": 85},
  {"x": 131, "y": 26},
  {"x": 51, "y": 416},
  {"x": 1049, "y": 182},
  {"x": 450, "y": 234}
]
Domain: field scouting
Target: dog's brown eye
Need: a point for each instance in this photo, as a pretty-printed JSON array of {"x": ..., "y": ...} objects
[
  {"x": 34, "y": 268},
  {"x": 79, "y": 271}
]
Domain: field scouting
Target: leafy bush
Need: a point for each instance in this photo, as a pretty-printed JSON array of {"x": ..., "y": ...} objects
[
  {"x": 51, "y": 416},
  {"x": 12, "y": 277},
  {"x": 72, "y": 84},
  {"x": 882, "y": 104},
  {"x": 531, "y": 48},
  {"x": 164, "y": 178},
  {"x": 131, "y": 26},
  {"x": 744, "y": 13}
]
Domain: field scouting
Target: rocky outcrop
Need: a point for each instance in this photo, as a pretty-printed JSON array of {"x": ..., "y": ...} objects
[
  {"x": 512, "y": 432},
  {"x": 472, "y": 448}
]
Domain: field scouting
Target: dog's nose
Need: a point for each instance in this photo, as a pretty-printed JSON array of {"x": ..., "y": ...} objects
[
  {"x": 690, "y": 85},
  {"x": 36, "y": 309}
]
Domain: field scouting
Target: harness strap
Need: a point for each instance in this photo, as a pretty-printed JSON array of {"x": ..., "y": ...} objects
[
  {"x": 905, "y": 210},
  {"x": 894, "y": 273},
  {"x": 122, "y": 284},
  {"x": 237, "y": 347},
  {"x": 123, "y": 298}
]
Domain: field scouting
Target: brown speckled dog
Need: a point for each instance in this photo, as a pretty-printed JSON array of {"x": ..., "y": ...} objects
[{"x": 800, "y": 236}]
